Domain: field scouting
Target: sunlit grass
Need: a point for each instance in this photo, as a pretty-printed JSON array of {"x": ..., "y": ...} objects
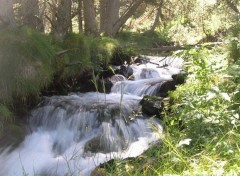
[{"x": 201, "y": 134}]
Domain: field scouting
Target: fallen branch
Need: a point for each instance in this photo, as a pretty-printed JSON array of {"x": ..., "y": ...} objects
[
  {"x": 60, "y": 53},
  {"x": 73, "y": 63},
  {"x": 175, "y": 48}
]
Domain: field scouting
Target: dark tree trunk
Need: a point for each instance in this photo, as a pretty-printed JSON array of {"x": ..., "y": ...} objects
[
  {"x": 103, "y": 14},
  {"x": 112, "y": 12},
  {"x": 31, "y": 15},
  {"x": 80, "y": 16},
  {"x": 6, "y": 14},
  {"x": 63, "y": 19},
  {"x": 158, "y": 16},
  {"x": 90, "y": 23},
  {"x": 126, "y": 15},
  {"x": 232, "y": 6}
]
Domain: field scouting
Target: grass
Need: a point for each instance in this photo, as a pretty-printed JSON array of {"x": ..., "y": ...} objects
[
  {"x": 30, "y": 63},
  {"x": 202, "y": 131}
]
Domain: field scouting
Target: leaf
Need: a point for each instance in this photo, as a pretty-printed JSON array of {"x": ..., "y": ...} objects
[
  {"x": 184, "y": 142},
  {"x": 211, "y": 95},
  {"x": 225, "y": 96}
]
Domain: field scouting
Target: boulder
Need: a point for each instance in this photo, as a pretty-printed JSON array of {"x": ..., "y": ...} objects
[
  {"x": 165, "y": 87},
  {"x": 112, "y": 80},
  {"x": 152, "y": 105},
  {"x": 125, "y": 70},
  {"x": 180, "y": 78}
]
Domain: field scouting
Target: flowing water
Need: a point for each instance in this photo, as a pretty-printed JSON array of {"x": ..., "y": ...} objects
[{"x": 73, "y": 134}]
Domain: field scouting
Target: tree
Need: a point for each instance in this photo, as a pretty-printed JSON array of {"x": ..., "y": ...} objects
[
  {"x": 61, "y": 20},
  {"x": 31, "y": 15},
  {"x": 159, "y": 14},
  {"x": 126, "y": 15},
  {"x": 109, "y": 14},
  {"x": 90, "y": 17},
  {"x": 80, "y": 15},
  {"x": 6, "y": 14},
  {"x": 232, "y": 5}
]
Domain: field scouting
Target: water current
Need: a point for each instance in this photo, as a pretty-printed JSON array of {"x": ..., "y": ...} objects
[{"x": 72, "y": 135}]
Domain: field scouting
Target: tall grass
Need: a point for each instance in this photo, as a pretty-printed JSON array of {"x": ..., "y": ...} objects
[{"x": 25, "y": 63}]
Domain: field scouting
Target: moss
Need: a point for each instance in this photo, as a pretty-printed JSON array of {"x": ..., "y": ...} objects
[
  {"x": 5, "y": 113},
  {"x": 78, "y": 55},
  {"x": 102, "y": 50}
]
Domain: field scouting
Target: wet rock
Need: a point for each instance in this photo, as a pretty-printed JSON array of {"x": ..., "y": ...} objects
[
  {"x": 152, "y": 105},
  {"x": 106, "y": 73},
  {"x": 165, "y": 87},
  {"x": 112, "y": 80},
  {"x": 125, "y": 70},
  {"x": 180, "y": 78},
  {"x": 137, "y": 60}
]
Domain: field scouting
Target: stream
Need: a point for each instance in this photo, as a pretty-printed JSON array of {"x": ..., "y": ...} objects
[{"x": 72, "y": 135}]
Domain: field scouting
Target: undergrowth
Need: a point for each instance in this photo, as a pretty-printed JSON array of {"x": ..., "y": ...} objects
[
  {"x": 31, "y": 63},
  {"x": 202, "y": 130}
]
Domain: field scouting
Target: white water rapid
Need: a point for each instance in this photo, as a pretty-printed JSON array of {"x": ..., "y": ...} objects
[{"x": 72, "y": 135}]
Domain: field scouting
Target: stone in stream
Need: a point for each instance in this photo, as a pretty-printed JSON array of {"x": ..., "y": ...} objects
[
  {"x": 180, "y": 78},
  {"x": 112, "y": 80},
  {"x": 125, "y": 70},
  {"x": 166, "y": 87},
  {"x": 152, "y": 105}
]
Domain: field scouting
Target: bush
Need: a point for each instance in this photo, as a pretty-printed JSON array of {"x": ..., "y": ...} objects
[
  {"x": 77, "y": 58},
  {"x": 146, "y": 39},
  {"x": 102, "y": 50},
  {"x": 25, "y": 63},
  {"x": 234, "y": 48}
]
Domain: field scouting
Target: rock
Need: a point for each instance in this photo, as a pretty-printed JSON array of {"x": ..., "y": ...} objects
[
  {"x": 106, "y": 73},
  {"x": 151, "y": 105},
  {"x": 165, "y": 87},
  {"x": 180, "y": 78},
  {"x": 125, "y": 70},
  {"x": 112, "y": 80}
]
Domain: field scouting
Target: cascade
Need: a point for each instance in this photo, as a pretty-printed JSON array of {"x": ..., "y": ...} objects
[{"x": 74, "y": 134}]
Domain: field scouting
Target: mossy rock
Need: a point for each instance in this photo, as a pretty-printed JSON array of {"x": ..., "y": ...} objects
[{"x": 180, "y": 78}]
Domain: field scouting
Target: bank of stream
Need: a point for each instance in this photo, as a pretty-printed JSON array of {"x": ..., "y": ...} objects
[{"x": 75, "y": 133}]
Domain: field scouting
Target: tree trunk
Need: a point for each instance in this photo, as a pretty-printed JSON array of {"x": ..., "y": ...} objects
[
  {"x": 126, "y": 15},
  {"x": 158, "y": 15},
  {"x": 232, "y": 6},
  {"x": 112, "y": 12},
  {"x": 103, "y": 14},
  {"x": 89, "y": 17},
  {"x": 31, "y": 15},
  {"x": 80, "y": 16},
  {"x": 63, "y": 19},
  {"x": 6, "y": 14}
]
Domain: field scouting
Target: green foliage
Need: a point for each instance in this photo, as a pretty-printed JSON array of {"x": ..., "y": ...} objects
[
  {"x": 5, "y": 113},
  {"x": 102, "y": 50},
  {"x": 201, "y": 135},
  {"x": 77, "y": 57},
  {"x": 141, "y": 40},
  {"x": 234, "y": 46},
  {"x": 25, "y": 63}
]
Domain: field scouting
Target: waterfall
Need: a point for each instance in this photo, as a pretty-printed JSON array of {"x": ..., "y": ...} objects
[{"x": 74, "y": 134}]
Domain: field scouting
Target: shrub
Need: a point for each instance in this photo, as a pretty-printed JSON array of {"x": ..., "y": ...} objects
[
  {"x": 25, "y": 63},
  {"x": 77, "y": 58},
  {"x": 102, "y": 50}
]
